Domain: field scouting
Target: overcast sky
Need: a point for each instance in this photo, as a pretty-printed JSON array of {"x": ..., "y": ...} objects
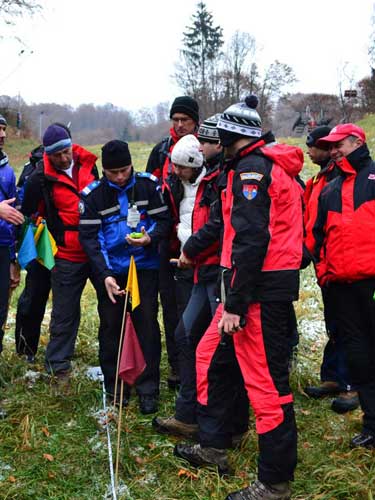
[{"x": 124, "y": 52}]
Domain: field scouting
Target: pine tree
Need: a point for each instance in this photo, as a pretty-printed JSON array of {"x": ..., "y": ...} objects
[{"x": 202, "y": 42}]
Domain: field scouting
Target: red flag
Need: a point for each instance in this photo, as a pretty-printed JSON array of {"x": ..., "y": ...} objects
[{"x": 132, "y": 361}]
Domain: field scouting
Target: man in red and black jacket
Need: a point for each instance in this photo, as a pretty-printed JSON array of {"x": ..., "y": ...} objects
[
  {"x": 334, "y": 374},
  {"x": 344, "y": 250},
  {"x": 184, "y": 115},
  {"x": 53, "y": 191},
  {"x": 261, "y": 253}
]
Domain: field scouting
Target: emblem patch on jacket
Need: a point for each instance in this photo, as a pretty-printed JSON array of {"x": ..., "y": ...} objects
[
  {"x": 371, "y": 177},
  {"x": 249, "y": 191},
  {"x": 81, "y": 207}
]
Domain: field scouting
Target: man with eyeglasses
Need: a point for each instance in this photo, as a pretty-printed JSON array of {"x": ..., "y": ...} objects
[
  {"x": 184, "y": 115},
  {"x": 344, "y": 249}
]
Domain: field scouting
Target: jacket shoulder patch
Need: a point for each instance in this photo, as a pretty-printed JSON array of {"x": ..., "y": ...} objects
[
  {"x": 147, "y": 175},
  {"x": 251, "y": 176},
  {"x": 88, "y": 189}
]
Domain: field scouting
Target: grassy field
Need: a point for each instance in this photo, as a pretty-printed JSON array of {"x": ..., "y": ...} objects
[{"x": 54, "y": 447}]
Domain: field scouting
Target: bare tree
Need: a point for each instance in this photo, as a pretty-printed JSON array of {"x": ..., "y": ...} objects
[
  {"x": 346, "y": 82},
  {"x": 241, "y": 47},
  {"x": 9, "y": 9},
  {"x": 276, "y": 79}
]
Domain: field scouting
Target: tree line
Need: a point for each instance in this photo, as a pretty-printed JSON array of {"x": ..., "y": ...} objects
[{"x": 215, "y": 74}]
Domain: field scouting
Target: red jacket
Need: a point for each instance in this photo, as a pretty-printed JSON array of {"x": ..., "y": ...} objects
[
  {"x": 55, "y": 195},
  {"x": 345, "y": 226},
  {"x": 207, "y": 262},
  {"x": 263, "y": 226}
]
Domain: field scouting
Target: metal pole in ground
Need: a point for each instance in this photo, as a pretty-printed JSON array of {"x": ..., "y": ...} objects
[{"x": 113, "y": 486}]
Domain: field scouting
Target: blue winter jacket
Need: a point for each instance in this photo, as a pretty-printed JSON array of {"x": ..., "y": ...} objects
[
  {"x": 7, "y": 191},
  {"x": 103, "y": 223}
]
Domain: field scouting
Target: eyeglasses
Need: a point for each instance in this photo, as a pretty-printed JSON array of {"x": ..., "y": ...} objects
[{"x": 182, "y": 120}]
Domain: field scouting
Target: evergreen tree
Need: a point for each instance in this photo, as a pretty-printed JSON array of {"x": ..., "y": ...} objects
[{"x": 202, "y": 42}]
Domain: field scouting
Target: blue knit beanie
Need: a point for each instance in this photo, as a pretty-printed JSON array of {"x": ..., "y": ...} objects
[{"x": 55, "y": 139}]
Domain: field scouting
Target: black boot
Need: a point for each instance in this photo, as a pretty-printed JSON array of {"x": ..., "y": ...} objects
[
  {"x": 346, "y": 401},
  {"x": 324, "y": 389},
  {"x": 262, "y": 491},
  {"x": 363, "y": 440},
  {"x": 198, "y": 456}
]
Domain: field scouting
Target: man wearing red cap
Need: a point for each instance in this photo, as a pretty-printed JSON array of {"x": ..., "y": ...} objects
[{"x": 344, "y": 249}]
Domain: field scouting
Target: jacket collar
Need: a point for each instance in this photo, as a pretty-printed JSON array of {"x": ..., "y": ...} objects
[
  {"x": 356, "y": 160},
  {"x": 264, "y": 140}
]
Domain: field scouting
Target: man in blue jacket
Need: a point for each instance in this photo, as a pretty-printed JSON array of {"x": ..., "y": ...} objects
[
  {"x": 9, "y": 217},
  {"x": 121, "y": 203}
]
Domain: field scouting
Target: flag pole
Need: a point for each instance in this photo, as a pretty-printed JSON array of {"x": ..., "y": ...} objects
[
  {"x": 119, "y": 432},
  {"x": 120, "y": 345},
  {"x": 113, "y": 485}
]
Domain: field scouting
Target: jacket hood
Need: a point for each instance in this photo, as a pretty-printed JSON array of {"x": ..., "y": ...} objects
[{"x": 290, "y": 158}]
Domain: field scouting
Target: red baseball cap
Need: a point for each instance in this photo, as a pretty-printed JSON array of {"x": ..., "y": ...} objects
[{"x": 340, "y": 132}]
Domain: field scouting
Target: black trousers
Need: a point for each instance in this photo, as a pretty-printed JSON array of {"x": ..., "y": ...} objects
[
  {"x": 256, "y": 359},
  {"x": 355, "y": 312},
  {"x": 31, "y": 307},
  {"x": 334, "y": 366},
  {"x": 4, "y": 289},
  {"x": 68, "y": 279},
  {"x": 168, "y": 299},
  {"x": 146, "y": 325}
]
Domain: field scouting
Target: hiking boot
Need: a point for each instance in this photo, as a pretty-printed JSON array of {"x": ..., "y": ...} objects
[
  {"x": 173, "y": 379},
  {"x": 347, "y": 401},
  {"x": 61, "y": 383},
  {"x": 363, "y": 440},
  {"x": 262, "y": 491},
  {"x": 327, "y": 388},
  {"x": 198, "y": 456},
  {"x": 148, "y": 403},
  {"x": 30, "y": 358},
  {"x": 170, "y": 425}
]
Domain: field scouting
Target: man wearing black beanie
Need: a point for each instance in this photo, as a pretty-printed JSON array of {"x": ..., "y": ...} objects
[
  {"x": 122, "y": 203},
  {"x": 184, "y": 115}
]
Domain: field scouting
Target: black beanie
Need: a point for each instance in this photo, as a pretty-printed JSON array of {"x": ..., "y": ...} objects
[
  {"x": 316, "y": 134},
  {"x": 115, "y": 154},
  {"x": 187, "y": 105}
]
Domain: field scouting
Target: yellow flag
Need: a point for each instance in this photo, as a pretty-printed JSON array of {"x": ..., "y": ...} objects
[
  {"x": 132, "y": 284},
  {"x": 38, "y": 232}
]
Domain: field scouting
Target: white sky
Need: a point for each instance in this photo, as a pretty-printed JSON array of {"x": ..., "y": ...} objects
[{"x": 124, "y": 52}]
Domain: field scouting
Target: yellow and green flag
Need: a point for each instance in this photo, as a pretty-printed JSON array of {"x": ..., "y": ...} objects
[
  {"x": 45, "y": 246},
  {"x": 37, "y": 243}
]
